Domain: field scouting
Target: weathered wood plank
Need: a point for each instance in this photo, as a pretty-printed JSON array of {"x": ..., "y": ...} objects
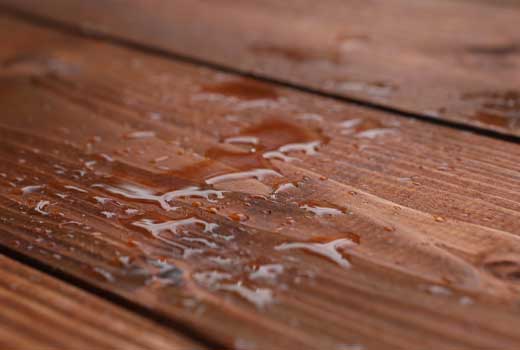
[
  {"x": 454, "y": 60},
  {"x": 40, "y": 312},
  {"x": 382, "y": 232}
]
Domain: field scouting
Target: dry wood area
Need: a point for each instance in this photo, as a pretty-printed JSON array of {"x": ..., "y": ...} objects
[{"x": 259, "y": 175}]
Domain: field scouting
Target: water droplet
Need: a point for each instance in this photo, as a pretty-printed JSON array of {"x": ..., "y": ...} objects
[
  {"x": 248, "y": 140},
  {"x": 322, "y": 211},
  {"x": 144, "y": 194},
  {"x": 40, "y": 207},
  {"x": 258, "y": 174},
  {"x": 173, "y": 225},
  {"x": 74, "y": 188},
  {"x": 32, "y": 189},
  {"x": 466, "y": 301},
  {"x": 438, "y": 290},
  {"x": 140, "y": 135},
  {"x": 105, "y": 274},
  {"x": 210, "y": 278},
  {"x": 329, "y": 250},
  {"x": 238, "y": 217},
  {"x": 260, "y": 297},
  {"x": 108, "y": 214},
  {"x": 267, "y": 272}
]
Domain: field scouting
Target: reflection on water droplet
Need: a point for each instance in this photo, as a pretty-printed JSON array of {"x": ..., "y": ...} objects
[
  {"x": 321, "y": 211},
  {"x": 168, "y": 274},
  {"x": 144, "y": 194},
  {"x": 284, "y": 187},
  {"x": 465, "y": 301},
  {"x": 365, "y": 128},
  {"x": 328, "y": 250},
  {"x": 309, "y": 148},
  {"x": 173, "y": 225},
  {"x": 40, "y": 207},
  {"x": 372, "y": 134},
  {"x": 258, "y": 174},
  {"x": 210, "y": 278},
  {"x": 140, "y": 135},
  {"x": 438, "y": 290},
  {"x": 105, "y": 274},
  {"x": 32, "y": 189},
  {"x": 249, "y": 140},
  {"x": 108, "y": 214},
  {"x": 260, "y": 297},
  {"x": 267, "y": 272},
  {"x": 75, "y": 188}
]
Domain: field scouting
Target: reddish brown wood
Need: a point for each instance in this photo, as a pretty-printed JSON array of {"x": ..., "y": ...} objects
[
  {"x": 425, "y": 216},
  {"x": 40, "y": 312},
  {"x": 454, "y": 60}
]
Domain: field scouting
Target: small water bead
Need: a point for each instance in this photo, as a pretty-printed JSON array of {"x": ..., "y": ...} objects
[
  {"x": 140, "y": 135},
  {"x": 372, "y": 134},
  {"x": 438, "y": 290},
  {"x": 102, "y": 200},
  {"x": 108, "y": 214}
]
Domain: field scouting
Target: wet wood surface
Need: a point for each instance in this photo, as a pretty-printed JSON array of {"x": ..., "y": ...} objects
[
  {"x": 253, "y": 215},
  {"x": 40, "y": 312},
  {"x": 451, "y": 60}
]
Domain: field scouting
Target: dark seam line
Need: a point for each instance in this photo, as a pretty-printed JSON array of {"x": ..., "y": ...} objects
[
  {"x": 109, "y": 296},
  {"x": 71, "y": 29}
]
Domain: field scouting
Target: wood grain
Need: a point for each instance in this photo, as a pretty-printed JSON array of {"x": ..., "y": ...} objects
[
  {"x": 40, "y": 312},
  {"x": 382, "y": 233},
  {"x": 452, "y": 60}
]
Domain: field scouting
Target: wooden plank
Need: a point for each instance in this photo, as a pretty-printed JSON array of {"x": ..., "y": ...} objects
[
  {"x": 40, "y": 312},
  {"x": 382, "y": 233},
  {"x": 453, "y": 60}
]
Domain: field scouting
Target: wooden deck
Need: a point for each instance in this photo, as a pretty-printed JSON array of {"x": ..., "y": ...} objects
[{"x": 332, "y": 174}]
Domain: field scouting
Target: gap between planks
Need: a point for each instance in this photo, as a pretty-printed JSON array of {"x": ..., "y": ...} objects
[{"x": 120, "y": 301}]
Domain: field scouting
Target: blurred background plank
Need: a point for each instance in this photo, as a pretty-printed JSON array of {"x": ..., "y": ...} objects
[
  {"x": 40, "y": 312},
  {"x": 451, "y": 60},
  {"x": 139, "y": 175}
]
